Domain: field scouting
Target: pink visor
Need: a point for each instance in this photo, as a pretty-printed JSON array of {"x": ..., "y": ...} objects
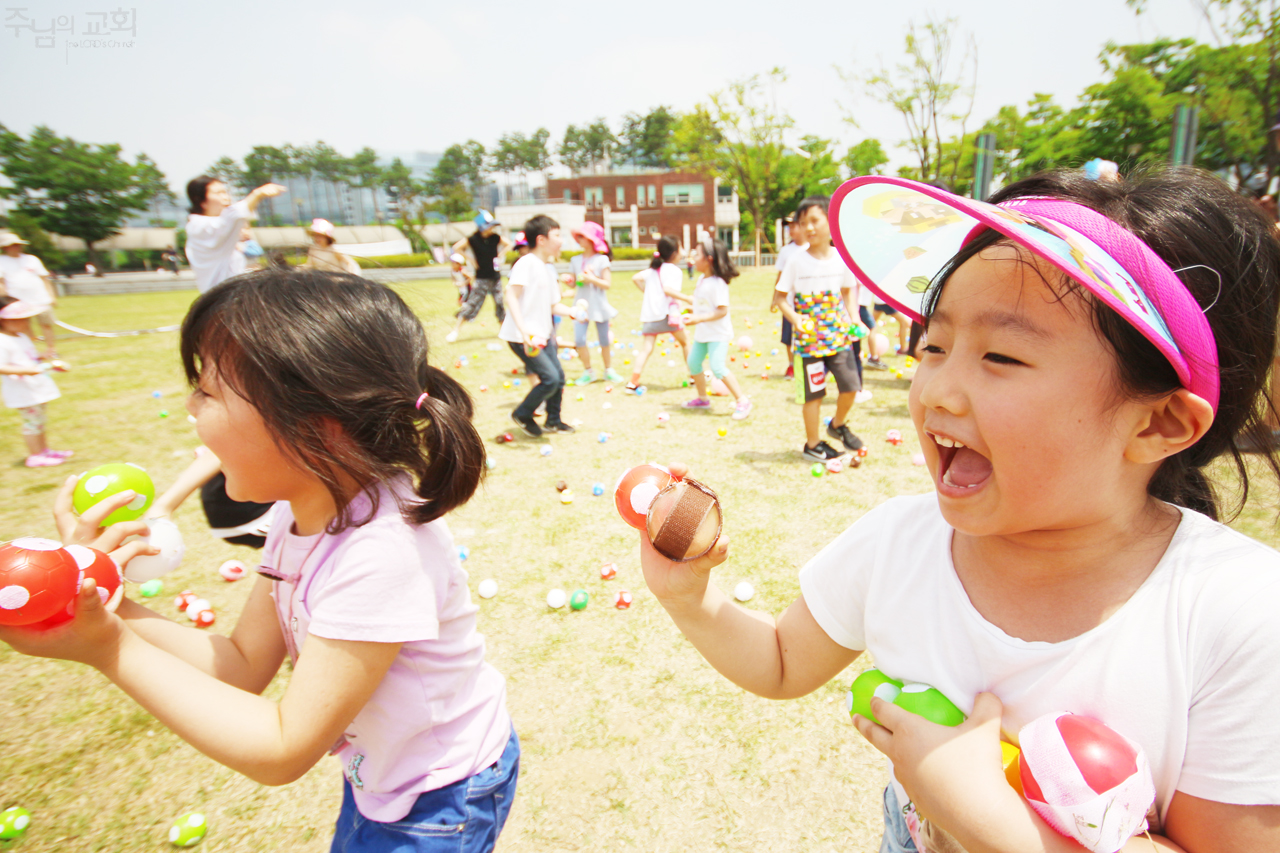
[
  {"x": 896, "y": 235},
  {"x": 594, "y": 232}
]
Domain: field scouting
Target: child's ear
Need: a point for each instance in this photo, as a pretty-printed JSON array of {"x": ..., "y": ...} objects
[{"x": 1172, "y": 424}]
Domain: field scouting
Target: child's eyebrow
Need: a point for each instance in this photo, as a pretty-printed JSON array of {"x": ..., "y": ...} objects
[{"x": 992, "y": 318}]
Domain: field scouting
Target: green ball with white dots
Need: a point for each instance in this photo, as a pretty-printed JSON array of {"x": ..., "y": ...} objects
[
  {"x": 14, "y": 822},
  {"x": 188, "y": 830}
]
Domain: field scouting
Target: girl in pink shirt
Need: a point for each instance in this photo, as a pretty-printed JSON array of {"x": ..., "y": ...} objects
[{"x": 314, "y": 390}]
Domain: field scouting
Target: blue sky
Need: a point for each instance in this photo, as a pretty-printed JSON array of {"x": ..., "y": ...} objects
[{"x": 205, "y": 79}]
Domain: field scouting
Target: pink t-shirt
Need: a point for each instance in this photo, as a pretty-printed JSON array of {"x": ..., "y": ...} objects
[{"x": 439, "y": 715}]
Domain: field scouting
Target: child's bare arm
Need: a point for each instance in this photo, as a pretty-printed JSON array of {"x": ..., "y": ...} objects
[
  {"x": 639, "y": 280},
  {"x": 780, "y": 303},
  {"x": 199, "y": 472},
  {"x": 779, "y": 659}
]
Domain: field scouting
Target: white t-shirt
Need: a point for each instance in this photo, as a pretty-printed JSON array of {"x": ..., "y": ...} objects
[
  {"x": 709, "y": 293},
  {"x": 806, "y": 275},
  {"x": 22, "y": 391},
  {"x": 24, "y": 279},
  {"x": 540, "y": 293},
  {"x": 1186, "y": 668},
  {"x": 211, "y": 245},
  {"x": 655, "y": 305},
  {"x": 780, "y": 262},
  {"x": 598, "y": 308}
]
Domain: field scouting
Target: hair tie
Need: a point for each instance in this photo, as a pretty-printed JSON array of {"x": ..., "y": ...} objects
[
  {"x": 422, "y": 398},
  {"x": 656, "y": 255}
]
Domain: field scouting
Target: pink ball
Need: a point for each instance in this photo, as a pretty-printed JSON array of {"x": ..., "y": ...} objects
[{"x": 233, "y": 570}]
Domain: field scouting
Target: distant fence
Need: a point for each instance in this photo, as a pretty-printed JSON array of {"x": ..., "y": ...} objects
[{"x": 748, "y": 259}]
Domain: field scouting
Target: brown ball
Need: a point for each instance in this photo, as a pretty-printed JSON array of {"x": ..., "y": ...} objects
[
  {"x": 561, "y": 485},
  {"x": 684, "y": 520}
]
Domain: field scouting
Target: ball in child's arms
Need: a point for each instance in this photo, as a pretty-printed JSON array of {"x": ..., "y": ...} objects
[
  {"x": 556, "y": 599},
  {"x": 233, "y": 570},
  {"x": 188, "y": 830},
  {"x": 1085, "y": 780},
  {"x": 928, "y": 702},
  {"x": 578, "y": 601},
  {"x": 744, "y": 343},
  {"x": 38, "y": 579},
  {"x": 165, "y": 536},
  {"x": 14, "y": 822},
  {"x": 111, "y": 479},
  {"x": 488, "y": 588},
  {"x": 105, "y": 574},
  {"x": 636, "y": 490},
  {"x": 1012, "y": 766},
  {"x": 684, "y": 520},
  {"x": 873, "y": 682}
]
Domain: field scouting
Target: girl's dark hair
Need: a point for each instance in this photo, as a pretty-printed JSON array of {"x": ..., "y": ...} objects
[
  {"x": 1229, "y": 258},
  {"x": 310, "y": 350},
  {"x": 667, "y": 248},
  {"x": 198, "y": 190},
  {"x": 721, "y": 265},
  {"x": 812, "y": 201}
]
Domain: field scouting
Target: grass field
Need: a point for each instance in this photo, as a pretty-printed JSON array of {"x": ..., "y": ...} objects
[{"x": 631, "y": 742}]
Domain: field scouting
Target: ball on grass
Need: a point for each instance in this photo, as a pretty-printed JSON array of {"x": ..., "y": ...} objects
[
  {"x": 488, "y": 588},
  {"x": 188, "y": 830}
]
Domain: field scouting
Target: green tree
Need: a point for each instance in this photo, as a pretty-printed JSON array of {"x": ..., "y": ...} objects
[
  {"x": 76, "y": 189},
  {"x": 412, "y": 201},
  {"x": 587, "y": 147},
  {"x": 363, "y": 173},
  {"x": 645, "y": 140},
  {"x": 231, "y": 173},
  {"x": 738, "y": 135},
  {"x": 931, "y": 90},
  {"x": 263, "y": 165},
  {"x": 807, "y": 170},
  {"x": 866, "y": 158}
]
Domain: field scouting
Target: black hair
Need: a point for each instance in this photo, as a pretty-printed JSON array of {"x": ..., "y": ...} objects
[
  {"x": 812, "y": 201},
  {"x": 539, "y": 226},
  {"x": 667, "y": 248},
  {"x": 1229, "y": 259},
  {"x": 721, "y": 264},
  {"x": 309, "y": 349},
  {"x": 198, "y": 190}
]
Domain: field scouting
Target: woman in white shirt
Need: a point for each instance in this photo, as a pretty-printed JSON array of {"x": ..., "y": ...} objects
[{"x": 214, "y": 226}]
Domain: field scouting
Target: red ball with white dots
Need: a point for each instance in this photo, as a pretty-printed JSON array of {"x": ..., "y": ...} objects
[
  {"x": 204, "y": 618},
  {"x": 622, "y": 599},
  {"x": 636, "y": 490},
  {"x": 608, "y": 571},
  {"x": 38, "y": 579},
  {"x": 184, "y": 599},
  {"x": 106, "y": 575}
]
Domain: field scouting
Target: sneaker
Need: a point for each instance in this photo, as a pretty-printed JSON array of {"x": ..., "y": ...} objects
[
  {"x": 698, "y": 403},
  {"x": 560, "y": 427},
  {"x": 862, "y": 396},
  {"x": 585, "y": 379},
  {"x": 631, "y": 388},
  {"x": 846, "y": 436},
  {"x": 612, "y": 375},
  {"x": 43, "y": 460},
  {"x": 741, "y": 409},
  {"x": 821, "y": 452},
  {"x": 791, "y": 371},
  {"x": 876, "y": 364},
  {"x": 529, "y": 426},
  {"x": 60, "y": 454},
  {"x": 451, "y": 337},
  {"x": 1249, "y": 444}
]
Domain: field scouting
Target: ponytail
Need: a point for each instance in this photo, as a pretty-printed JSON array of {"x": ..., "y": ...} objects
[
  {"x": 452, "y": 461},
  {"x": 667, "y": 248}
]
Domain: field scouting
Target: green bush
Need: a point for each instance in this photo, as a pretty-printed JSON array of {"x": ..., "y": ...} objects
[
  {"x": 621, "y": 253},
  {"x": 382, "y": 262}
]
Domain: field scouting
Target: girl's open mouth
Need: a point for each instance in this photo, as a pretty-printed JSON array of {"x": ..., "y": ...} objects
[{"x": 959, "y": 466}]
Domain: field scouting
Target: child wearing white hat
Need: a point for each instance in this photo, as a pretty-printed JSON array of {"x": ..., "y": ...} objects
[
  {"x": 24, "y": 380},
  {"x": 24, "y": 277},
  {"x": 322, "y": 255}
]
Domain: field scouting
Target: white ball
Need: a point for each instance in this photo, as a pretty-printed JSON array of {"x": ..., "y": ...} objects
[
  {"x": 556, "y": 599},
  {"x": 196, "y": 607},
  {"x": 165, "y": 536},
  {"x": 488, "y": 588},
  {"x": 744, "y": 591}
]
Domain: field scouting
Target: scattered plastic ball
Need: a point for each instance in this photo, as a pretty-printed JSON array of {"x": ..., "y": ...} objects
[
  {"x": 597, "y": 489},
  {"x": 818, "y": 469},
  {"x": 561, "y": 485},
  {"x": 622, "y": 599},
  {"x": 744, "y": 343},
  {"x": 608, "y": 571},
  {"x": 608, "y": 389},
  {"x": 484, "y": 388},
  {"x": 185, "y": 599},
  {"x": 488, "y": 588},
  {"x": 722, "y": 432},
  {"x": 556, "y": 599},
  {"x": 607, "y": 406},
  {"x": 579, "y": 599},
  {"x": 14, "y": 822},
  {"x": 834, "y": 466},
  {"x": 38, "y": 580},
  {"x": 773, "y": 351},
  {"x": 164, "y": 413},
  {"x": 490, "y": 463},
  {"x": 517, "y": 382},
  {"x": 506, "y": 438},
  {"x": 545, "y": 450},
  {"x": 463, "y": 552},
  {"x": 671, "y": 364},
  {"x": 515, "y": 371},
  {"x": 862, "y": 452},
  {"x": 165, "y": 536},
  {"x": 506, "y": 384},
  {"x": 744, "y": 591},
  {"x": 111, "y": 479},
  {"x": 156, "y": 394},
  {"x": 917, "y": 459},
  {"x": 151, "y": 588},
  {"x": 233, "y": 570},
  {"x": 196, "y": 607},
  {"x": 684, "y": 383},
  {"x": 188, "y": 830},
  {"x": 204, "y": 617},
  {"x": 640, "y": 389},
  {"x": 566, "y": 497},
  {"x": 602, "y": 437},
  {"x": 663, "y": 418},
  {"x": 581, "y": 397}
]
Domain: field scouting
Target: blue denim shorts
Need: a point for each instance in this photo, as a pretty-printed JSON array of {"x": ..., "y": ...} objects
[
  {"x": 465, "y": 817},
  {"x": 896, "y": 837}
]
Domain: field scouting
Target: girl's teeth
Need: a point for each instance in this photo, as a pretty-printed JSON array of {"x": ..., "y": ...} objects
[
  {"x": 946, "y": 442},
  {"x": 946, "y": 478}
]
